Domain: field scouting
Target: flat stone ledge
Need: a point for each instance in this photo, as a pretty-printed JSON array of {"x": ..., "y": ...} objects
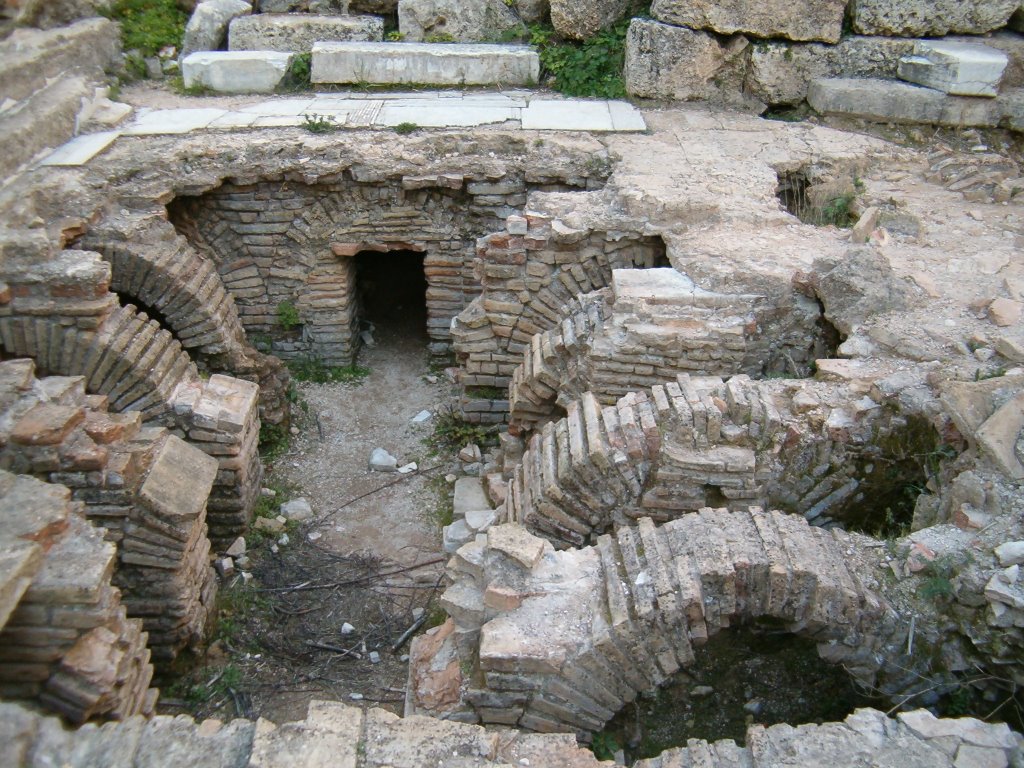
[
  {"x": 236, "y": 71},
  {"x": 961, "y": 69},
  {"x": 427, "y": 63},
  {"x": 892, "y": 101},
  {"x": 297, "y": 33}
]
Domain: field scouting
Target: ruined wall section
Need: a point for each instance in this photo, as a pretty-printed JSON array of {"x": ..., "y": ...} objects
[
  {"x": 145, "y": 489},
  {"x": 57, "y": 308},
  {"x": 287, "y": 243},
  {"x": 556, "y": 641},
  {"x": 653, "y": 325},
  {"x": 65, "y": 641},
  {"x": 529, "y": 272}
]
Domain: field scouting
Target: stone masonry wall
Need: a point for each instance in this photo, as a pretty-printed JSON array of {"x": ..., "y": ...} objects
[
  {"x": 145, "y": 489},
  {"x": 538, "y": 265},
  {"x": 555, "y": 641},
  {"x": 653, "y": 325},
  {"x": 286, "y": 242},
  {"x": 349, "y": 737},
  {"x": 65, "y": 642},
  {"x": 57, "y": 308}
]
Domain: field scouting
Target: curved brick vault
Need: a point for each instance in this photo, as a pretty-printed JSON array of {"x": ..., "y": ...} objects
[{"x": 557, "y": 641}]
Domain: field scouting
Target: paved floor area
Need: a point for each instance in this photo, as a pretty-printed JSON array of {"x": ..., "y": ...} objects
[{"x": 428, "y": 109}]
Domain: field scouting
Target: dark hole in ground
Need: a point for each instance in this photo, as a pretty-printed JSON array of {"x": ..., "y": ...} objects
[
  {"x": 893, "y": 472},
  {"x": 818, "y": 202},
  {"x": 393, "y": 293},
  {"x": 755, "y": 676}
]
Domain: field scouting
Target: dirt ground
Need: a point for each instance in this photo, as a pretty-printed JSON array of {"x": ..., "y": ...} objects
[{"x": 370, "y": 558}]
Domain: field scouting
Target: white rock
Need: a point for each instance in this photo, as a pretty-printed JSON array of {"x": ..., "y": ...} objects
[
  {"x": 405, "y": 469},
  {"x": 236, "y": 71},
  {"x": 422, "y": 417},
  {"x": 374, "y": 657},
  {"x": 382, "y": 461},
  {"x": 480, "y": 520},
  {"x": 963, "y": 69},
  {"x": 284, "y": 541},
  {"x": 208, "y": 26},
  {"x": 237, "y": 547},
  {"x": 455, "y": 535},
  {"x": 347, "y": 629},
  {"x": 1010, "y": 553},
  {"x": 297, "y": 509}
]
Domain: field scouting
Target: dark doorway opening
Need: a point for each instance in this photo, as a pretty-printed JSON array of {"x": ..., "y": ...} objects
[{"x": 392, "y": 294}]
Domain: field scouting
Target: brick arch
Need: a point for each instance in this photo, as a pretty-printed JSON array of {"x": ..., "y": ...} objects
[
  {"x": 129, "y": 359},
  {"x": 530, "y": 273},
  {"x": 565, "y": 639}
]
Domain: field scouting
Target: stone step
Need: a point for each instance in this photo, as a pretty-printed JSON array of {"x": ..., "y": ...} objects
[
  {"x": 424, "y": 63},
  {"x": 298, "y": 32},
  {"x": 46, "y": 118},
  {"x": 960, "y": 69},
  {"x": 236, "y": 71}
]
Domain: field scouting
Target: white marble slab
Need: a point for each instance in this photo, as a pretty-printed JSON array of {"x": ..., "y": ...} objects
[
  {"x": 437, "y": 116},
  {"x": 550, "y": 115},
  {"x": 81, "y": 149},
  {"x": 279, "y": 107},
  {"x": 172, "y": 121}
]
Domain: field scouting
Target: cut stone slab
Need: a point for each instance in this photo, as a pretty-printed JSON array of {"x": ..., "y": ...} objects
[
  {"x": 444, "y": 115},
  {"x": 433, "y": 64},
  {"x": 962, "y": 69},
  {"x": 297, "y": 33},
  {"x": 926, "y": 18},
  {"x": 179, "y": 481},
  {"x": 999, "y": 435},
  {"x": 236, "y": 71},
  {"x": 81, "y": 149},
  {"x": 890, "y": 101},
  {"x": 470, "y": 494},
  {"x": 172, "y": 121},
  {"x": 544, "y": 114},
  {"x": 464, "y": 21},
  {"x": 480, "y": 520},
  {"x": 208, "y": 25},
  {"x": 790, "y": 19}
]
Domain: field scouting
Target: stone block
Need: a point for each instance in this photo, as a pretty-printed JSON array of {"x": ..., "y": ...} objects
[
  {"x": 790, "y": 19},
  {"x": 669, "y": 62},
  {"x": 582, "y": 19},
  {"x": 298, "y": 32},
  {"x": 47, "y": 424},
  {"x": 236, "y": 71},
  {"x": 208, "y": 26},
  {"x": 780, "y": 73},
  {"x": 465, "y": 21},
  {"x": 179, "y": 481},
  {"x": 962, "y": 69},
  {"x": 887, "y": 101},
  {"x": 921, "y": 18},
  {"x": 470, "y": 495},
  {"x": 455, "y": 64}
]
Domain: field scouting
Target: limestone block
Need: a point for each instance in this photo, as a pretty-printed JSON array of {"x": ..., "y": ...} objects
[
  {"x": 919, "y": 18},
  {"x": 790, "y": 19},
  {"x": 584, "y": 19},
  {"x": 179, "y": 481},
  {"x": 296, "y": 33},
  {"x": 780, "y": 72},
  {"x": 1000, "y": 436},
  {"x": 325, "y": 7},
  {"x": 236, "y": 71},
  {"x": 467, "y": 21},
  {"x": 887, "y": 101},
  {"x": 962, "y": 69},
  {"x": 667, "y": 62},
  {"x": 469, "y": 495},
  {"x": 385, "y": 63},
  {"x": 208, "y": 26}
]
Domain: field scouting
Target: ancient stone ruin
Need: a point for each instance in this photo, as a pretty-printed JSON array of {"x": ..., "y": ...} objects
[{"x": 744, "y": 373}]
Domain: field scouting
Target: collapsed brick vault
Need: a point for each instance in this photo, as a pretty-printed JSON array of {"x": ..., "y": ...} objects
[{"x": 660, "y": 410}]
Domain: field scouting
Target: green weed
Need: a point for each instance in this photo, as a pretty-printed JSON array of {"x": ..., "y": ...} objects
[
  {"x": 394, "y": 36},
  {"x": 451, "y": 433},
  {"x": 298, "y": 74},
  {"x": 440, "y": 37},
  {"x": 320, "y": 123},
  {"x": 274, "y": 441},
  {"x": 591, "y": 68},
  {"x": 404, "y": 129},
  {"x": 313, "y": 369},
  {"x": 148, "y": 25},
  {"x": 288, "y": 315}
]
